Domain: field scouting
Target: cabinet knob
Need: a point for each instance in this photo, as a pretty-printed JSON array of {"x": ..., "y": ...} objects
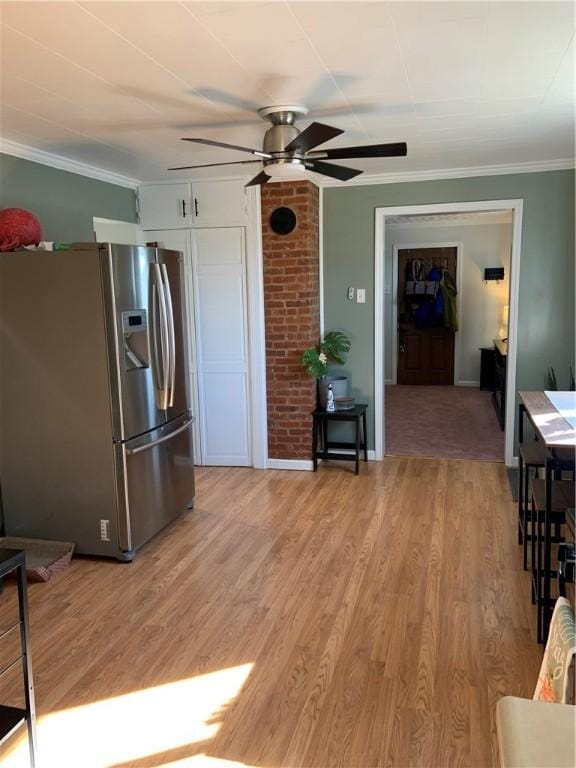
[
  {"x": 195, "y": 206},
  {"x": 183, "y": 209}
]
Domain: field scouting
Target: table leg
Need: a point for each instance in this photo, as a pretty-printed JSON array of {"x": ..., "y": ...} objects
[
  {"x": 547, "y": 548},
  {"x": 528, "y": 522},
  {"x": 521, "y": 516},
  {"x": 357, "y": 423},
  {"x": 533, "y": 561},
  {"x": 314, "y": 443},
  {"x": 538, "y": 537},
  {"x": 365, "y": 436},
  {"x": 521, "y": 470}
]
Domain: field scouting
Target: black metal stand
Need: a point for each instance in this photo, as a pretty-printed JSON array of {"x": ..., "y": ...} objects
[
  {"x": 12, "y": 718},
  {"x": 321, "y": 418}
]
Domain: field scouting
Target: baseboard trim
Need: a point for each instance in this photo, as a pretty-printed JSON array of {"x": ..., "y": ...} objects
[
  {"x": 371, "y": 454},
  {"x": 293, "y": 464},
  {"x": 303, "y": 465},
  {"x": 468, "y": 384}
]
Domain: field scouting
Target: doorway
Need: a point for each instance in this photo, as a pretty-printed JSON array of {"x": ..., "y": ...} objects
[
  {"x": 425, "y": 343},
  {"x": 383, "y": 313}
]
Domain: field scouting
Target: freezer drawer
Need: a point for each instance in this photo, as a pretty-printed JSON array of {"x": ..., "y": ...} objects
[{"x": 156, "y": 477}]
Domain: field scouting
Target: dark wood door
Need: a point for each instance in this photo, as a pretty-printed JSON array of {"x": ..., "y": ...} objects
[{"x": 425, "y": 354}]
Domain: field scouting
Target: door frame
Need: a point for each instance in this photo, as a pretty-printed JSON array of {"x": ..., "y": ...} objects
[
  {"x": 459, "y": 247},
  {"x": 256, "y": 329},
  {"x": 381, "y": 214}
]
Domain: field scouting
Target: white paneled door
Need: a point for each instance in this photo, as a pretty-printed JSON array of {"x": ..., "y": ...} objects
[{"x": 222, "y": 349}]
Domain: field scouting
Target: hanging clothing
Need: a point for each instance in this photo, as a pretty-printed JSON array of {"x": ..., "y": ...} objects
[{"x": 449, "y": 293}]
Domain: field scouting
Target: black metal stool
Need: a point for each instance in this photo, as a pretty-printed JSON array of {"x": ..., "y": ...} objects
[
  {"x": 562, "y": 496},
  {"x": 531, "y": 456}
]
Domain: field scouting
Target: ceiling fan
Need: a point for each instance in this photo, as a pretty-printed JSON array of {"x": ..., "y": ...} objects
[{"x": 286, "y": 151}]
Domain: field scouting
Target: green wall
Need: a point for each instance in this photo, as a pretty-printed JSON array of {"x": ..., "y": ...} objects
[
  {"x": 63, "y": 202},
  {"x": 546, "y": 308}
]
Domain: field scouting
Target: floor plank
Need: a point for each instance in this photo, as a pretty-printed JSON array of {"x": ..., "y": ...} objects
[{"x": 292, "y": 619}]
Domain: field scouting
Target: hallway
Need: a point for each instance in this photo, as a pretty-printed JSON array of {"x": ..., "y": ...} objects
[{"x": 442, "y": 422}]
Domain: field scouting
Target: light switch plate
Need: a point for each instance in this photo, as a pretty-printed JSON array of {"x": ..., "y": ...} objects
[
  {"x": 361, "y": 295},
  {"x": 350, "y": 293}
]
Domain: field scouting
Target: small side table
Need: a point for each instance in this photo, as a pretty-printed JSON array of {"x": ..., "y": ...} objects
[
  {"x": 321, "y": 419},
  {"x": 11, "y": 718}
]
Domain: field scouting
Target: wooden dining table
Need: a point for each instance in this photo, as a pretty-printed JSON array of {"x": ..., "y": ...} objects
[{"x": 553, "y": 421}]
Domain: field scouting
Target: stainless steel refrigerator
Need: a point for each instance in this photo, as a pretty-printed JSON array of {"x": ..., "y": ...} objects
[{"x": 96, "y": 428}]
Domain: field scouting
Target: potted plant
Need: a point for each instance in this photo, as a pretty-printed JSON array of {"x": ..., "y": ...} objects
[{"x": 332, "y": 347}]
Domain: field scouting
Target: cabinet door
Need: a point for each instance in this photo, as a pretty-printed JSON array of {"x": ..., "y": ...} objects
[
  {"x": 219, "y": 203},
  {"x": 221, "y": 328},
  {"x": 163, "y": 206}
]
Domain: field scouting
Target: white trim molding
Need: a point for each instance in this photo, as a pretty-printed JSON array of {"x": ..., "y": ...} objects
[
  {"x": 65, "y": 164},
  {"x": 307, "y": 465},
  {"x": 381, "y": 214},
  {"x": 256, "y": 329},
  {"x": 297, "y": 464},
  {"x": 537, "y": 166},
  {"x": 321, "y": 256},
  {"x": 43, "y": 157}
]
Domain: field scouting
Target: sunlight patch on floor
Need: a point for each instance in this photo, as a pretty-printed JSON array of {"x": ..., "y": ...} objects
[
  {"x": 135, "y": 725},
  {"x": 204, "y": 761}
]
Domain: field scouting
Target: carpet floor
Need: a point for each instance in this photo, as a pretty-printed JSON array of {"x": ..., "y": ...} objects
[{"x": 442, "y": 422}]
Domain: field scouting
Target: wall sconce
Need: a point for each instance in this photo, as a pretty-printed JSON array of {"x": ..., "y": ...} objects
[{"x": 493, "y": 273}]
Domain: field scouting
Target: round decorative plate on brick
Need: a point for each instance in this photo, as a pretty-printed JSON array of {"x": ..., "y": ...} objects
[{"x": 282, "y": 221}]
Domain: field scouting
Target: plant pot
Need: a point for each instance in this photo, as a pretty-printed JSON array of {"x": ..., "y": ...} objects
[{"x": 339, "y": 388}]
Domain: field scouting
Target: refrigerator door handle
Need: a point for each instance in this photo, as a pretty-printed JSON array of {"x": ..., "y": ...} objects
[
  {"x": 171, "y": 338},
  {"x": 164, "y": 343},
  {"x": 154, "y": 443}
]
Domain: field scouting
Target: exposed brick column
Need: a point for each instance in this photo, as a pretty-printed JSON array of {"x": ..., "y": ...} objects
[{"x": 292, "y": 316}]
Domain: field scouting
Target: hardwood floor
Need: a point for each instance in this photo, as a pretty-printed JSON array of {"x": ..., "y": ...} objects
[{"x": 294, "y": 619}]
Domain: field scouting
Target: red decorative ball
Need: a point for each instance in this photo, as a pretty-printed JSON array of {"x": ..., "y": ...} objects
[{"x": 18, "y": 228}]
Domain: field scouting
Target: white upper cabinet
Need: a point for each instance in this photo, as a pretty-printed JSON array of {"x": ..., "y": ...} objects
[
  {"x": 201, "y": 204},
  {"x": 218, "y": 204},
  {"x": 165, "y": 206}
]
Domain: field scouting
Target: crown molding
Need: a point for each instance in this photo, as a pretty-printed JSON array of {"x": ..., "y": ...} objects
[
  {"x": 83, "y": 169},
  {"x": 537, "y": 166},
  {"x": 65, "y": 164}
]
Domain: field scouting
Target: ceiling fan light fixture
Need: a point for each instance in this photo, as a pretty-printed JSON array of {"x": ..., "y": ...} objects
[{"x": 286, "y": 171}]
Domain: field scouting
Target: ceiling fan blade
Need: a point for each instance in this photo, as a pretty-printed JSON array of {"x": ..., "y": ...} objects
[
  {"x": 316, "y": 133},
  {"x": 398, "y": 149},
  {"x": 211, "y": 165},
  {"x": 211, "y": 143},
  {"x": 261, "y": 178},
  {"x": 229, "y": 99},
  {"x": 335, "y": 171}
]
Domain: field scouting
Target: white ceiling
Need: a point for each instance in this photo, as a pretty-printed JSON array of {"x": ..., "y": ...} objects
[{"x": 115, "y": 84}]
